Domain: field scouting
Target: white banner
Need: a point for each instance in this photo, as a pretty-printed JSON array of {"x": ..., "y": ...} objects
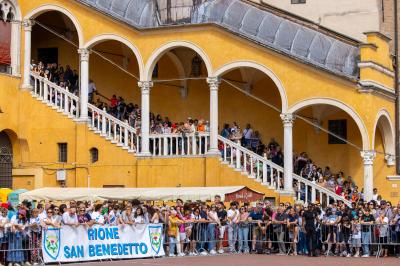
[{"x": 102, "y": 242}]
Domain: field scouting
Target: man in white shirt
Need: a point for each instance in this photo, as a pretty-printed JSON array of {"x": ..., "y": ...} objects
[
  {"x": 233, "y": 217},
  {"x": 42, "y": 212},
  {"x": 70, "y": 218}
]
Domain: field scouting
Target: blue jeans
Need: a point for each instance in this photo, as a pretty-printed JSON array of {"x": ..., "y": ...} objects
[
  {"x": 172, "y": 244},
  {"x": 243, "y": 233},
  {"x": 211, "y": 237},
  {"x": 202, "y": 233},
  {"x": 366, "y": 240},
  {"x": 232, "y": 236},
  {"x": 302, "y": 245}
]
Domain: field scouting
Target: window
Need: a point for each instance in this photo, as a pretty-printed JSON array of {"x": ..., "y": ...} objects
[
  {"x": 339, "y": 128},
  {"x": 62, "y": 152},
  {"x": 94, "y": 155},
  {"x": 298, "y": 1}
]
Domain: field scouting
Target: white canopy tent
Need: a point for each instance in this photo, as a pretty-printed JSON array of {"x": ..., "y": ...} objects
[{"x": 148, "y": 194}]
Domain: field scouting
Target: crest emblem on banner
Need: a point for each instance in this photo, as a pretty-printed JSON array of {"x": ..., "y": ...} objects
[
  {"x": 155, "y": 233},
  {"x": 51, "y": 242}
]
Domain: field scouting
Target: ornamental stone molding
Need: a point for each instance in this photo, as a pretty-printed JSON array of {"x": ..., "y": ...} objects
[
  {"x": 84, "y": 54},
  {"x": 27, "y": 24},
  {"x": 287, "y": 119},
  {"x": 145, "y": 86},
  {"x": 368, "y": 157},
  {"x": 213, "y": 82}
]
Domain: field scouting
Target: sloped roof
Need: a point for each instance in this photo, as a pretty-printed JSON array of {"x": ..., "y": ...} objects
[{"x": 265, "y": 28}]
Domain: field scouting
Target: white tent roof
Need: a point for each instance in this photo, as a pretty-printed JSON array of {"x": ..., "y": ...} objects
[{"x": 94, "y": 194}]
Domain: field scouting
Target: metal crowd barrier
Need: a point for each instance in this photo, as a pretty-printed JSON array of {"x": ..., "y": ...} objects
[
  {"x": 21, "y": 247},
  {"x": 194, "y": 238},
  {"x": 267, "y": 237}
]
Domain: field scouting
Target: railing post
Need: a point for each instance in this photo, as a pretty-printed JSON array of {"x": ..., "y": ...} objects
[
  {"x": 238, "y": 159},
  {"x": 66, "y": 102},
  {"x": 194, "y": 144},
  {"x": 313, "y": 193},
  {"x": 264, "y": 170},
  {"x": 45, "y": 90},
  {"x": 126, "y": 136},
  {"x": 165, "y": 145},
  {"x": 104, "y": 122}
]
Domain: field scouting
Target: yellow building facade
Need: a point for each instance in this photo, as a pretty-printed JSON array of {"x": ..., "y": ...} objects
[{"x": 255, "y": 83}]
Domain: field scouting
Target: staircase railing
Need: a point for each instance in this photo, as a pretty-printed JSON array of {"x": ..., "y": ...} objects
[
  {"x": 271, "y": 174},
  {"x": 179, "y": 144},
  {"x": 119, "y": 132},
  {"x": 53, "y": 95}
]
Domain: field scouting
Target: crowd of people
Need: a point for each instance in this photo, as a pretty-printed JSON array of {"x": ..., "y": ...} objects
[
  {"x": 65, "y": 78},
  {"x": 192, "y": 228}
]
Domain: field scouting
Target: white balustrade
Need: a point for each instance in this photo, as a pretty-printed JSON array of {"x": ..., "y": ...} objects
[
  {"x": 179, "y": 144},
  {"x": 55, "y": 96},
  {"x": 112, "y": 128},
  {"x": 271, "y": 174}
]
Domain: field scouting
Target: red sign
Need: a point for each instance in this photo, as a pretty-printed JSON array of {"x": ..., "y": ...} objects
[{"x": 244, "y": 195}]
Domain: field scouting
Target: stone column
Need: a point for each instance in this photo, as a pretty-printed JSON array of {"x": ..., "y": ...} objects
[
  {"x": 288, "y": 151},
  {"x": 15, "y": 47},
  {"x": 84, "y": 83},
  {"x": 368, "y": 158},
  {"x": 27, "y": 24},
  {"x": 145, "y": 87},
  {"x": 213, "y": 83}
]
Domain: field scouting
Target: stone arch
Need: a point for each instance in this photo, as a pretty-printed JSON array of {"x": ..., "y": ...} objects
[
  {"x": 47, "y": 7},
  {"x": 349, "y": 110},
  {"x": 159, "y": 52},
  {"x": 385, "y": 125},
  {"x": 112, "y": 37},
  {"x": 250, "y": 64}
]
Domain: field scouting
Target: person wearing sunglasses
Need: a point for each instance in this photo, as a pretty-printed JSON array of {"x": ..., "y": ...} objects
[
  {"x": 84, "y": 217},
  {"x": 50, "y": 220}
]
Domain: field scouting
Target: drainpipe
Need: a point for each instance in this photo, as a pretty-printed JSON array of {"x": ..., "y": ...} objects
[{"x": 396, "y": 86}]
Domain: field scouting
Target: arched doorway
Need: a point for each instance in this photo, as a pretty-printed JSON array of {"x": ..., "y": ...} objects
[{"x": 6, "y": 161}]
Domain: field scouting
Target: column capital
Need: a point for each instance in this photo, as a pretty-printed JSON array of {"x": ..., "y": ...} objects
[
  {"x": 145, "y": 86},
  {"x": 288, "y": 119},
  {"x": 213, "y": 82},
  {"x": 368, "y": 157},
  {"x": 27, "y": 24},
  {"x": 84, "y": 54},
  {"x": 390, "y": 159}
]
